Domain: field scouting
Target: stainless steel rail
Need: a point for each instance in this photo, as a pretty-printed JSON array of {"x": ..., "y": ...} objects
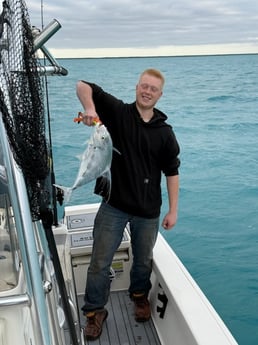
[
  {"x": 40, "y": 38},
  {"x": 15, "y": 300}
]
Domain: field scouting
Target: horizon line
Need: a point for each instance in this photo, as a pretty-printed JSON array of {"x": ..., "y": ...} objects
[
  {"x": 158, "y": 51},
  {"x": 154, "y": 56}
]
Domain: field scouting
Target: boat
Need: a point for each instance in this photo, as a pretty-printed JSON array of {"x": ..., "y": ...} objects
[{"x": 43, "y": 259}]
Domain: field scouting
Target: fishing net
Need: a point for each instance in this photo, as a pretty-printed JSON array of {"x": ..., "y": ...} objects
[{"x": 22, "y": 101}]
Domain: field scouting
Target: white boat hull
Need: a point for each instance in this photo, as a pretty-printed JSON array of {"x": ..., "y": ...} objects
[{"x": 189, "y": 317}]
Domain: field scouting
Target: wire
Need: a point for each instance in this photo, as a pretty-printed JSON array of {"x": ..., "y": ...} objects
[
  {"x": 42, "y": 16},
  {"x": 47, "y": 103}
]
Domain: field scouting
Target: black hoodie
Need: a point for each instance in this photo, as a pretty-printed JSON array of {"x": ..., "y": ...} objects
[{"x": 147, "y": 149}]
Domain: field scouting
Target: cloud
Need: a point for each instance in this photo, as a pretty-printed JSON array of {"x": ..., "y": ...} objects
[{"x": 103, "y": 24}]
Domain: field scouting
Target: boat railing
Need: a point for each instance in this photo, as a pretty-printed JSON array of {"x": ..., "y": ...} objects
[
  {"x": 15, "y": 300},
  {"x": 28, "y": 253}
]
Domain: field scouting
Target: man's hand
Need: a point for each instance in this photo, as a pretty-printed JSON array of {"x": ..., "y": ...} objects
[
  {"x": 169, "y": 220},
  {"x": 88, "y": 118}
]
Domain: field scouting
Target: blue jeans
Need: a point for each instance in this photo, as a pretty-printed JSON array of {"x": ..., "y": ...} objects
[{"x": 108, "y": 233}]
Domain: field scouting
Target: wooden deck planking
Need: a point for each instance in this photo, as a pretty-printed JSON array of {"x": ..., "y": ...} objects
[{"x": 120, "y": 328}]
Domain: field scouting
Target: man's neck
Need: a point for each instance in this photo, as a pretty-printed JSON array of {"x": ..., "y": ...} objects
[{"x": 146, "y": 114}]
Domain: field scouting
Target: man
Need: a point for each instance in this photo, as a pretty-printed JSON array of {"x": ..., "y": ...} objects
[{"x": 148, "y": 147}]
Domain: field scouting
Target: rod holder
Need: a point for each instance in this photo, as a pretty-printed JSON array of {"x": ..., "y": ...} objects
[{"x": 46, "y": 34}]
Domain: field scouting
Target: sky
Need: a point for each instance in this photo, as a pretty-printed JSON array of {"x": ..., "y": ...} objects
[{"x": 105, "y": 28}]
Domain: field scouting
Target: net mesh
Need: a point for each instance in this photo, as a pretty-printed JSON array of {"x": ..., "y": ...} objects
[{"x": 22, "y": 100}]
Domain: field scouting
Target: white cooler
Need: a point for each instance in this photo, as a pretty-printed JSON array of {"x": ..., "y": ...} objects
[{"x": 79, "y": 222}]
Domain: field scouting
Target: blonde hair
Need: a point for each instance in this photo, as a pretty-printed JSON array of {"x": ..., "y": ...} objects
[{"x": 154, "y": 73}]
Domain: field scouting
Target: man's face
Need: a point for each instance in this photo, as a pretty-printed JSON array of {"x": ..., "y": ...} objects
[{"x": 148, "y": 91}]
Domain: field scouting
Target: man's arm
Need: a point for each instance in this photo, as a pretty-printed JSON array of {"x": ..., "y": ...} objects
[
  {"x": 84, "y": 93},
  {"x": 173, "y": 192}
]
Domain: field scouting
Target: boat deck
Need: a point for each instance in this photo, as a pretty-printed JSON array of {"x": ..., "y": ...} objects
[{"x": 120, "y": 328}]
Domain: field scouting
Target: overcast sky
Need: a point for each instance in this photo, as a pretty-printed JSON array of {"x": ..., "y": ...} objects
[{"x": 127, "y": 26}]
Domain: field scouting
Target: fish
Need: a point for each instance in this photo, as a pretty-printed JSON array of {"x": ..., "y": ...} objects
[{"x": 95, "y": 162}]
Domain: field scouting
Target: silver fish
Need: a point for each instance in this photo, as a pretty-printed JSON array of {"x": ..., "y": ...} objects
[{"x": 95, "y": 161}]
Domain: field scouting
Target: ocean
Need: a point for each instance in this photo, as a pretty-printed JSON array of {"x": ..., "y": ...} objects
[{"x": 212, "y": 104}]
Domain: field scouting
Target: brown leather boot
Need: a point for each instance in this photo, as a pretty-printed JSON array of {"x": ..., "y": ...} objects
[
  {"x": 141, "y": 307},
  {"x": 94, "y": 324}
]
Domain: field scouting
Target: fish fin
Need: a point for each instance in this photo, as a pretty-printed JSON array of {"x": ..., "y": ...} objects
[
  {"x": 103, "y": 186},
  {"x": 117, "y": 151},
  {"x": 79, "y": 157},
  {"x": 67, "y": 192}
]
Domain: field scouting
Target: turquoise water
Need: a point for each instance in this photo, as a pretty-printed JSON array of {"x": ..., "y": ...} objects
[{"x": 212, "y": 103}]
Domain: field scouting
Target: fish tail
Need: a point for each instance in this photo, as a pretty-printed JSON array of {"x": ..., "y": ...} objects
[{"x": 67, "y": 192}]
